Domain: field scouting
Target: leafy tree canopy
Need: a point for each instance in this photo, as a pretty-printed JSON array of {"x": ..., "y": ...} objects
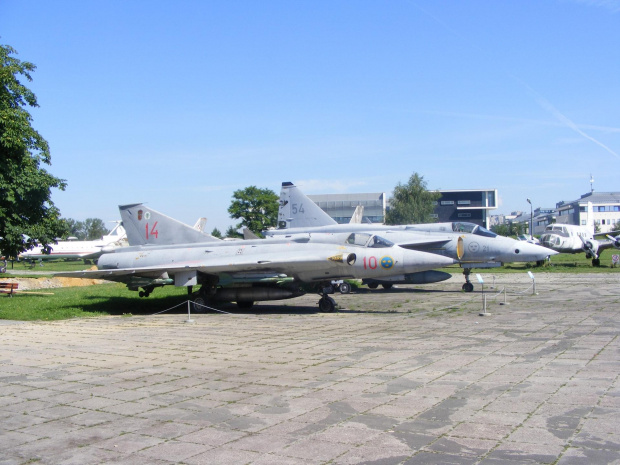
[
  {"x": 411, "y": 203},
  {"x": 257, "y": 208},
  {"x": 87, "y": 230},
  {"x": 27, "y": 213},
  {"x": 509, "y": 229},
  {"x": 232, "y": 233},
  {"x": 216, "y": 233}
]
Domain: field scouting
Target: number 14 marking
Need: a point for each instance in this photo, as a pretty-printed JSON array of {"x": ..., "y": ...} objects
[{"x": 152, "y": 232}]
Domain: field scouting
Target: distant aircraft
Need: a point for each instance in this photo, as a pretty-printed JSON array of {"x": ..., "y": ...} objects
[
  {"x": 569, "y": 238},
  {"x": 163, "y": 251},
  {"x": 74, "y": 249},
  {"x": 472, "y": 245}
]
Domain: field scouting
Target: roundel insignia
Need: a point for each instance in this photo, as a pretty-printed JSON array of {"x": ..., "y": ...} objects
[
  {"x": 387, "y": 262},
  {"x": 474, "y": 247}
]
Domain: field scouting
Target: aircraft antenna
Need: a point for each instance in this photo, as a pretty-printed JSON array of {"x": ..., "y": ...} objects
[{"x": 591, "y": 183}]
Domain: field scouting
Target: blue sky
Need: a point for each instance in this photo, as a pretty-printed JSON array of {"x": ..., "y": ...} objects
[{"x": 179, "y": 104}]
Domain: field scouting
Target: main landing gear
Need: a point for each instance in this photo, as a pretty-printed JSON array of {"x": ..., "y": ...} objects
[
  {"x": 326, "y": 303},
  {"x": 468, "y": 286}
]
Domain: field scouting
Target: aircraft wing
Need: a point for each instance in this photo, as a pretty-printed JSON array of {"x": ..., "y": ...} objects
[
  {"x": 424, "y": 245},
  {"x": 291, "y": 266}
]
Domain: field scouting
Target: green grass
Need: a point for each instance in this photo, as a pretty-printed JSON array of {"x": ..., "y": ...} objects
[{"x": 89, "y": 301}]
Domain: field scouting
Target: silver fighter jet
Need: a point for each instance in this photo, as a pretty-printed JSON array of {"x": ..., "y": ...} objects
[
  {"x": 470, "y": 244},
  {"x": 163, "y": 251}
]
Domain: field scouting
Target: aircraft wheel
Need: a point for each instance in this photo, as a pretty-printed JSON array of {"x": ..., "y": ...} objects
[
  {"x": 373, "y": 286},
  {"x": 199, "y": 305},
  {"x": 596, "y": 262},
  {"x": 327, "y": 304},
  {"x": 344, "y": 288},
  {"x": 245, "y": 304},
  {"x": 387, "y": 286},
  {"x": 142, "y": 294},
  {"x": 468, "y": 287}
]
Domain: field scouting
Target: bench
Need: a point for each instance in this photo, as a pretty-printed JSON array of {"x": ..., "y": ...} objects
[{"x": 8, "y": 288}]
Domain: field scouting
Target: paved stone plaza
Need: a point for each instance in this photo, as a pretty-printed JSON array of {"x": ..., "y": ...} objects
[{"x": 407, "y": 376}]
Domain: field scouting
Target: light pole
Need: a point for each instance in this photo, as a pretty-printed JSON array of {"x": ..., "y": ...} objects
[{"x": 531, "y": 220}]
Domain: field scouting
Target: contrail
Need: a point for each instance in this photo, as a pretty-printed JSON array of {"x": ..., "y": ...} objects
[{"x": 543, "y": 102}]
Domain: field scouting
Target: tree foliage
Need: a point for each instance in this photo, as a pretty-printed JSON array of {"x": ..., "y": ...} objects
[
  {"x": 216, "y": 233},
  {"x": 509, "y": 229},
  {"x": 232, "y": 233},
  {"x": 412, "y": 202},
  {"x": 88, "y": 230},
  {"x": 27, "y": 213},
  {"x": 257, "y": 208}
]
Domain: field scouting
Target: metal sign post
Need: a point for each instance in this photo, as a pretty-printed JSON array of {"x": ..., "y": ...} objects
[
  {"x": 531, "y": 275},
  {"x": 189, "y": 316},
  {"x": 484, "y": 297}
]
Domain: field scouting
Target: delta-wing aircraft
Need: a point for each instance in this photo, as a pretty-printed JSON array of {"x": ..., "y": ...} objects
[
  {"x": 470, "y": 244},
  {"x": 569, "y": 238},
  {"x": 74, "y": 249},
  {"x": 163, "y": 251}
]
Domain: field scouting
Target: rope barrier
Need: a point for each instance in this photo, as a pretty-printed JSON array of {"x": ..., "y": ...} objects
[{"x": 189, "y": 303}]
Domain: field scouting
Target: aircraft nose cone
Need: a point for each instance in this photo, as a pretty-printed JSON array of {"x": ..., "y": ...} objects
[{"x": 534, "y": 252}]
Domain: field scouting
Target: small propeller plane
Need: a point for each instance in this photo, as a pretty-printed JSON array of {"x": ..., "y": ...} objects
[
  {"x": 570, "y": 238},
  {"x": 163, "y": 251}
]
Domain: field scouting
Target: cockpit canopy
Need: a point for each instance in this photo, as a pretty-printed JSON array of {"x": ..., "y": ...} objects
[
  {"x": 472, "y": 228},
  {"x": 557, "y": 229},
  {"x": 368, "y": 240},
  {"x": 457, "y": 227}
]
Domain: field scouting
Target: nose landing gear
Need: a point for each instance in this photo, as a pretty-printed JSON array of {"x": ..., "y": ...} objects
[{"x": 468, "y": 286}]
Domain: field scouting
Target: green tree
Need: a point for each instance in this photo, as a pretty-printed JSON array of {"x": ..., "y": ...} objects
[
  {"x": 411, "y": 203},
  {"x": 216, "y": 233},
  {"x": 232, "y": 233},
  {"x": 257, "y": 208},
  {"x": 501, "y": 229},
  {"x": 27, "y": 214},
  {"x": 74, "y": 228},
  {"x": 94, "y": 229}
]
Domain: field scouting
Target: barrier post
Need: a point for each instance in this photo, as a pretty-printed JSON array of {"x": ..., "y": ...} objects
[
  {"x": 484, "y": 297},
  {"x": 189, "y": 316},
  {"x": 504, "y": 302},
  {"x": 531, "y": 275}
]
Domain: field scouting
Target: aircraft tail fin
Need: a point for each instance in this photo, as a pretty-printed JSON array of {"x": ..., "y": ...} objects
[
  {"x": 200, "y": 224},
  {"x": 298, "y": 211},
  {"x": 145, "y": 226},
  {"x": 358, "y": 215},
  {"x": 590, "y": 221},
  {"x": 247, "y": 234}
]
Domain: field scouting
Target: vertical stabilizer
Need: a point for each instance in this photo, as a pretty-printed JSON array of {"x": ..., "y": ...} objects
[
  {"x": 590, "y": 220},
  {"x": 358, "y": 215},
  {"x": 145, "y": 226},
  {"x": 298, "y": 211}
]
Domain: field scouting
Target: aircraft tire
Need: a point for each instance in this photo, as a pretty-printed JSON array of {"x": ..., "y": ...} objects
[
  {"x": 344, "y": 288},
  {"x": 468, "y": 287},
  {"x": 596, "y": 262},
  {"x": 327, "y": 304},
  {"x": 373, "y": 286},
  {"x": 199, "y": 305},
  {"x": 245, "y": 304},
  {"x": 387, "y": 286}
]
